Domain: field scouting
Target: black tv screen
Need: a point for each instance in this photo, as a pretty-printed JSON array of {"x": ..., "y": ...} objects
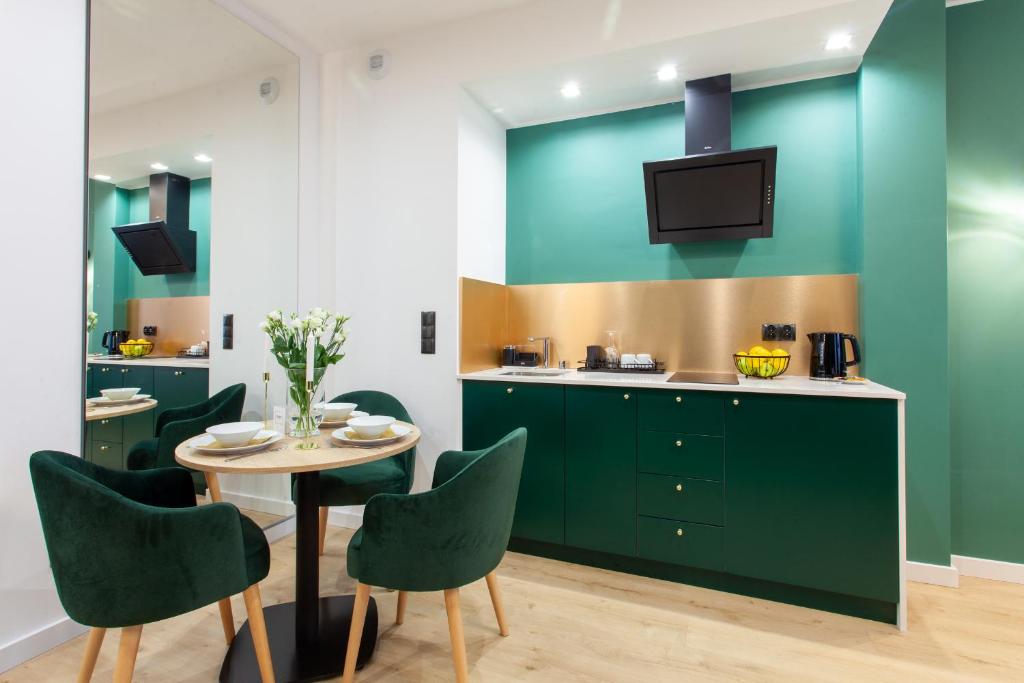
[{"x": 727, "y": 195}]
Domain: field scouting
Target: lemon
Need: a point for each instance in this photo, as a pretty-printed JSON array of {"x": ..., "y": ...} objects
[
  {"x": 759, "y": 351},
  {"x": 741, "y": 363},
  {"x": 777, "y": 362}
]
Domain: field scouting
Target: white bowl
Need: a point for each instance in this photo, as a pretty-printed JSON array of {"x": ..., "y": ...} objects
[
  {"x": 234, "y": 433},
  {"x": 120, "y": 394},
  {"x": 336, "y": 412},
  {"x": 371, "y": 426}
]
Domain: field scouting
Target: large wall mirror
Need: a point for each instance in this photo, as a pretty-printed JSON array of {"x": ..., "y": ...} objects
[{"x": 192, "y": 227}]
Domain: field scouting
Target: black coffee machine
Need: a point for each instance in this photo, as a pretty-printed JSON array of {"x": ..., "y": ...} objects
[
  {"x": 828, "y": 354},
  {"x": 112, "y": 340}
]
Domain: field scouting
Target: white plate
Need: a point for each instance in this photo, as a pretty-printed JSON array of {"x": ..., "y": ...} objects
[
  {"x": 104, "y": 401},
  {"x": 342, "y": 436},
  {"x": 342, "y": 423},
  {"x": 203, "y": 444}
]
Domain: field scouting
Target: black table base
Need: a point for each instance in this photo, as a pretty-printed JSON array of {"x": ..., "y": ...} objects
[{"x": 324, "y": 658}]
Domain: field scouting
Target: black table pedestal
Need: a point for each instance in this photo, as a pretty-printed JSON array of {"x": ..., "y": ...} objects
[{"x": 308, "y": 637}]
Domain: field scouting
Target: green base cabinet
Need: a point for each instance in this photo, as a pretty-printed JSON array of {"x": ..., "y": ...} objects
[
  {"x": 812, "y": 493},
  {"x": 600, "y": 469},
  {"x": 177, "y": 387},
  {"x": 493, "y": 409}
]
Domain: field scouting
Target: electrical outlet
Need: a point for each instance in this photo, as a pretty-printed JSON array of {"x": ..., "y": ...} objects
[
  {"x": 149, "y": 330},
  {"x": 787, "y": 332},
  {"x": 769, "y": 332}
]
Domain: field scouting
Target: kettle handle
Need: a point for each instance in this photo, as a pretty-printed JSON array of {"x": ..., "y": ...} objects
[
  {"x": 855, "y": 345},
  {"x": 103, "y": 342}
]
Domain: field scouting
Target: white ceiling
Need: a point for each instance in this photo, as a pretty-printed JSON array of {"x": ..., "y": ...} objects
[
  {"x": 782, "y": 49},
  {"x": 131, "y": 170},
  {"x": 142, "y": 50}
]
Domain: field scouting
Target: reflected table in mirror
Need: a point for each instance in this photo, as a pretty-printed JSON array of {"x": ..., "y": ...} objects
[
  {"x": 308, "y": 636},
  {"x": 95, "y": 412}
]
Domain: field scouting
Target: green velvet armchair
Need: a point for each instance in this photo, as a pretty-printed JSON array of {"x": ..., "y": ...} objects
[
  {"x": 175, "y": 425},
  {"x": 357, "y": 484},
  {"x": 131, "y": 548},
  {"x": 439, "y": 540}
]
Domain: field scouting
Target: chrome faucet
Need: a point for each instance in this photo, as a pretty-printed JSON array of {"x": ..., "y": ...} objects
[{"x": 547, "y": 348}]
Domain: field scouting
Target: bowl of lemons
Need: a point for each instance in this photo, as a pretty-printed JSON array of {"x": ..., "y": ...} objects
[
  {"x": 762, "y": 363},
  {"x": 136, "y": 348}
]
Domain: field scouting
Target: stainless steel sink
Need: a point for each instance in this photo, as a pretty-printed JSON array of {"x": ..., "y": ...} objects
[{"x": 530, "y": 373}]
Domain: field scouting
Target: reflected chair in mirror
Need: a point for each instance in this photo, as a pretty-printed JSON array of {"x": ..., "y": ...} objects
[
  {"x": 131, "y": 548},
  {"x": 175, "y": 425},
  {"x": 439, "y": 540},
  {"x": 357, "y": 484}
]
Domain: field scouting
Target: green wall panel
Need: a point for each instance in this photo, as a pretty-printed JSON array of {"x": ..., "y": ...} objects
[
  {"x": 986, "y": 277},
  {"x": 903, "y": 278},
  {"x": 575, "y": 193}
]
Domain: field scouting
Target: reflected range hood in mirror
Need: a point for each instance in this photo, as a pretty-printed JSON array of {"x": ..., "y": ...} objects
[{"x": 163, "y": 244}]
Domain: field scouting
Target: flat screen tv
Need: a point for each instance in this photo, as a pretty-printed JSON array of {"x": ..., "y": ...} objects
[{"x": 705, "y": 197}]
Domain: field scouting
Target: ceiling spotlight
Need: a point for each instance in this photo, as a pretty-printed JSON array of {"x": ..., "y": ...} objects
[
  {"x": 668, "y": 73},
  {"x": 101, "y": 176},
  {"x": 839, "y": 41},
  {"x": 571, "y": 89},
  {"x": 157, "y": 166},
  {"x": 203, "y": 158}
]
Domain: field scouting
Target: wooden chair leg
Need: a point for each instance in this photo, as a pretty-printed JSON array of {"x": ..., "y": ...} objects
[
  {"x": 213, "y": 483},
  {"x": 499, "y": 608},
  {"x": 451, "y": 605},
  {"x": 355, "y": 633},
  {"x": 403, "y": 596},
  {"x": 324, "y": 510},
  {"x": 258, "y": 629},
  {"x": 92, "y": 652},
  {"x": 227, "y": 619},
  {"x": 127, "y": 651}
]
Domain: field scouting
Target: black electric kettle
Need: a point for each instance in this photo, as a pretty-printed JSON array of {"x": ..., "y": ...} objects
[
  {"x": 112, "y": 340},
  {"x": 828, "y": 354}
]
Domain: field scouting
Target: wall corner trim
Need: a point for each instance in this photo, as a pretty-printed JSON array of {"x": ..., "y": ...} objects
[
  {"x": 996, "y": 570},
  {"x": 935, "y": 574}
]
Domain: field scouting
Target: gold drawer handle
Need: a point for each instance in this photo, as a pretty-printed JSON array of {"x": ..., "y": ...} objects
[
  {"x": 103, "y": 422},
  {"x": 735, "y": 401},
  {"x": 625, "y": 396},
  {"x": 104, "y": 369},
  {"x": 679, "y": 532},
  {"x": 509, "y": 390},
  {"x": 179, "y": 373},
  {"x": 124, "y": 371},
  {"x": 104, "y": 448},
  {"x": 679, "y": 488},
  {"x": 679, "y": 399},
  {"x": 679, "y": 443}
]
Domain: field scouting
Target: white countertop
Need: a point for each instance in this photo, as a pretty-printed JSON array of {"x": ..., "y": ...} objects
[
  {"x": 150, "y": 361},
  {"x": 786, "y": 384}
]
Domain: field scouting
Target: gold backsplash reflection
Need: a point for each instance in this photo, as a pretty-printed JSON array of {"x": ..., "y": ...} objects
[
  {"x": 688, "y": 324},
  {"x": 180, "y": 321}
]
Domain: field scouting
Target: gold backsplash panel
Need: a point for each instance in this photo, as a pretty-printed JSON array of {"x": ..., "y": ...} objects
[
  {"x": 688, "y": 324},
  {"x": 180, "y": 321},
  {"x": 483, "y": 323}
]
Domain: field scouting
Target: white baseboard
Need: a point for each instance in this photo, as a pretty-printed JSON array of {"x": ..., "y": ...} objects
[
  {"x": 996, "y": 570},
  {"x": 935, "y": 574},
  {"x": 348, "y": 517},
  {"x": 34, "y": 644},
  {"x": 271, "y": 506}
]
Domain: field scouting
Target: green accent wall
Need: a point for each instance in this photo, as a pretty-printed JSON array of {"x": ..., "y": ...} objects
[
  {"x": 986, "y": 276},
  {"x": 904, "y": 316},
  {"x": 575, "y": 193}
]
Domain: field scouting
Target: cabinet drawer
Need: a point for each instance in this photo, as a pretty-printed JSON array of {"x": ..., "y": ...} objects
[
  {"x": 685, "y": 543},
  {"x": 692, "y": 500},
  {"x": 683, "y": 455},
  {"x": 105, "y": 377},
  {"x": 108, "y": 429},
  {"x": 686, "y": 412},
  {"x": 107, "y": 454}
]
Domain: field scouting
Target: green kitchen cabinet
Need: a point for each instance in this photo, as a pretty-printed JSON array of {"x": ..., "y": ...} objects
[
  {"x": 177, "y": 387},
  {"x": 493, "y": 409},
  {"x": 600, "y": 469},
  {"x": 105, "y": 377},
  {"x": 139, "y": 426},
  {"x": 107, "y": 454},
  {"x": 811, "y": 493}
]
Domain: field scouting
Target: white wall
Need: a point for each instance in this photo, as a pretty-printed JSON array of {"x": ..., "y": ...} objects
[
  {"x": 42, "y": 133},
  {"x": 481, "y": 193},
  {"x": 253, "y": 223}
]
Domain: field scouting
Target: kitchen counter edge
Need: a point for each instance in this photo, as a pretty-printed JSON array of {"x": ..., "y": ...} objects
[
  {"x": 202, "y": 363},
  {"x": 799, "y": 386}
]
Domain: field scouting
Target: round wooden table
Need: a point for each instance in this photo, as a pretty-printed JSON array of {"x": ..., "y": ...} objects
[
  {"x": 308, "y": 636},
  {"x": 95, "y": 412}
]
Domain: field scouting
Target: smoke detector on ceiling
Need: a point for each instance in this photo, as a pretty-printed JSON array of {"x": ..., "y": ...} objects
[
  {"x": 269, "y": 90},
  {"x": 378, "y": 64}
]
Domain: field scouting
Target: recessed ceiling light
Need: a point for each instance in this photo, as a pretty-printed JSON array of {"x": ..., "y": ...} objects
[
  {"x": 101, "y": 176},
  {"x": 668, "y": 73},
  {"x": 203, "y": 158},
  {"x": 157, "y": 166},
  {"x": 571, "y": 89},
  {"x": 839, "y": 41}
]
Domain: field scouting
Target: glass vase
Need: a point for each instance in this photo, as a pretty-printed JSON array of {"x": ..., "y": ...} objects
[{"x": 303, "y": 417}]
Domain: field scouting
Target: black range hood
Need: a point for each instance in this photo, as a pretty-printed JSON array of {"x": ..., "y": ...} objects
[{"x": 163, "y": 244}]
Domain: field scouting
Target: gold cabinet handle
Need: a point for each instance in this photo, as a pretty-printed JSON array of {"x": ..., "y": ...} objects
[
  {"x": 179, "y": 373},
  {"x": 735, "y": 401},
  {"x": 104, "y": 448},
  {"x": 679, "y": 443},
  {"x": 679, "y": 488},
  {"x": 625, "y": 396},
  {"x": 509, "y": 390},
  {"x": 103, "y": 422},
  {"x": 104, "y": 369},
  {"x": 679, "y": 532},
  {"x": 124, "y": 371},
  {"x": 679, "y": 399}
]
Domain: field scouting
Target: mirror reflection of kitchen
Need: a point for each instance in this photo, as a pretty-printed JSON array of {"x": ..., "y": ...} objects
[{"x": 192, "y": 115}]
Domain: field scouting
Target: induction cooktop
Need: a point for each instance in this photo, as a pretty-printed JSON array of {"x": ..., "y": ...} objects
[{"x": 705, "y": 377}]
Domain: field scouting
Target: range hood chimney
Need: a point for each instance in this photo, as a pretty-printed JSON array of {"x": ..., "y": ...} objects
[
  {"x": 163, "y": 244},
  {"x": 708, "y": 118}
]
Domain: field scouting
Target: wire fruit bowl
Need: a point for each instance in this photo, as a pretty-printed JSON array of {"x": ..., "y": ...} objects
[
  {"x": 762, "y": 367},
  {"x": 136, "y": 349}
]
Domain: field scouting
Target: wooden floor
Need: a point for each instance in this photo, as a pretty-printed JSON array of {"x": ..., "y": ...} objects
[{"x": 572, "y": 623}]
